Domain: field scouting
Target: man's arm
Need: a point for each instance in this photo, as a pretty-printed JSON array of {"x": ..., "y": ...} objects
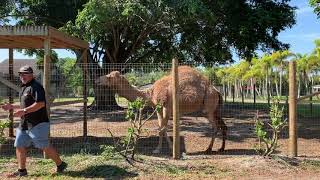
[
  {"x": 7, "y": 106},
  {"x": 32, "y": 108},
  {"x": 35, "y": 107}
]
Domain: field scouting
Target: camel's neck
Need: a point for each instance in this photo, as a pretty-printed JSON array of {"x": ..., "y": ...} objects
[{"x": 132, "y": 93}]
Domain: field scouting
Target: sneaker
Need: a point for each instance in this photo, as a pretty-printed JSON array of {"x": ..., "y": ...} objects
[
  {"x": 18, "y": 173},
  {"x": 62, "y": 167}
]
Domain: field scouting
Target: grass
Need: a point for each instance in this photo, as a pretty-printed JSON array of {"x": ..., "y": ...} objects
[
  {"x": 171, "y": 170},
  {"x": 88, "y": 166},
  {"x": 80, "y": 166},
  {"x": 90, "y": 99},
  {"x": 313, "y": 164},
  {"x": 304, "y": 109}
]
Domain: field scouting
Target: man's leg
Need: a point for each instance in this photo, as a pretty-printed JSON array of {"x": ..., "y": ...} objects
[
  {"x": 39, "y": 135},
  {"x": 21, "y": 154},
  {"x": 52, "y": 154},
  {"x": 22, "y": 141}
]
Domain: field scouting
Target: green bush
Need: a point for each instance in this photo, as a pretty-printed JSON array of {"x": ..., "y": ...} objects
[
  {"x": 126, "y": 146},
  {"x": 3, "y": 125},
  {"x": 268, "y": 143}
]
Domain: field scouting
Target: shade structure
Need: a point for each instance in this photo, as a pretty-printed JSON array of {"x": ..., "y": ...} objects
[{"x": 33, "y": 37}]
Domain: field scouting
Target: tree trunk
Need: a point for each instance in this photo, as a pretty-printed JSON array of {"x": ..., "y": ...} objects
[
  {"x": 104, "y": 99},
  {"x": 277, "y": 86}
]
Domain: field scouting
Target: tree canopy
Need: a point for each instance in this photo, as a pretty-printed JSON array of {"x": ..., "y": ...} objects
[
  {"x": 156, "y": 30},
  {"x": 316, "y": 5}
]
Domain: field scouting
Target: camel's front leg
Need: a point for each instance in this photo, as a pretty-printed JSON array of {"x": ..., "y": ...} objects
[
  {"x": 163, "y": 117},
  {"x": 166, "y": 117}
]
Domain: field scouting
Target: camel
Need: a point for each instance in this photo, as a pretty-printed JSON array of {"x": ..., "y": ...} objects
[{"x": 196, "y": 94}]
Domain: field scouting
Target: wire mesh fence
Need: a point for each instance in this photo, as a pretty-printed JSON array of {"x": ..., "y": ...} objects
[{"x": 107, "y": 107}]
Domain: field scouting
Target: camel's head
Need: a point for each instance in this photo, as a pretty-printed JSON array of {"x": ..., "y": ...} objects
[{"x": 113, "y": 80}]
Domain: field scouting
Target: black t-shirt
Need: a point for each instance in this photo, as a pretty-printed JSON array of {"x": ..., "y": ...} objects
[{"x": 30, "y": 93}]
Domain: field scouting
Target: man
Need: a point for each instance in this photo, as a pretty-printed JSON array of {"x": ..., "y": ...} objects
[{"x": 34, "y": 126}]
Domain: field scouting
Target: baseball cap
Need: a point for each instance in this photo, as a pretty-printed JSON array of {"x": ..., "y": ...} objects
[{"x": 26, "y": 69}]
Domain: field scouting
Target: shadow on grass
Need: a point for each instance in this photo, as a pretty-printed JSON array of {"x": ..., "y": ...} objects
[{"x": 102, "y": 171}]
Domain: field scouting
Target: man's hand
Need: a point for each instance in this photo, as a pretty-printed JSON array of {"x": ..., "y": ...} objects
[
  {"x": 7, "y": 107},
  {"x": 19, "y": 113}
]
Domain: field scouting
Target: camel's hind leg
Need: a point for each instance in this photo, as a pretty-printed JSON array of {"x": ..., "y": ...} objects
[
  {"x": 212, "y": 119},
  {"x": 224, "y": 129},
  {"x": 222, "y": 126}
]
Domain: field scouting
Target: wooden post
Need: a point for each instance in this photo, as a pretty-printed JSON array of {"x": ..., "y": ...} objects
[
  {"x": 292, "y": 110},
  {"x": 85, "y": 98},
  {"x": 47, "y": 73},
  {"x": 175, "y": 105},
  {"x": 46, "y": 78},
  {"x": 11, "y": 92}
]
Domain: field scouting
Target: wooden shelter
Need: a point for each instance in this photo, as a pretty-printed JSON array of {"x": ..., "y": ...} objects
[{"x": 47, "y": 38}]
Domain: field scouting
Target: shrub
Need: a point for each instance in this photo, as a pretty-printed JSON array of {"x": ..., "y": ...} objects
[
  {"x": 3, "y": 125},
  {"x": 127, "y": 145},
  {"x": 268, "y": 143}
]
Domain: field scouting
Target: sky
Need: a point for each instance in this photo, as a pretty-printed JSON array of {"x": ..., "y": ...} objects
[{"x": 300, "y": 37}]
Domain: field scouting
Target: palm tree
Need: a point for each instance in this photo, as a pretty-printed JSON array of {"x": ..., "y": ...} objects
[{"x": 278, "y": 60}]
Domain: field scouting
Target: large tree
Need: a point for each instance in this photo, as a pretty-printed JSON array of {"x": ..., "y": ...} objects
[{"x": 133, "y": 31}]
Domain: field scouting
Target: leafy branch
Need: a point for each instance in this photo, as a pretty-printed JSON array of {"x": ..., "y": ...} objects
[
  {"x": 3, "y": 125},
  {"x": 127, "y": 145},
  {"x": 267, "y": 145}
]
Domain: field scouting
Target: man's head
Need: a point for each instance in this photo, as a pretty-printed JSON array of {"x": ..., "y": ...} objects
[{"x": 26, "y": 74}]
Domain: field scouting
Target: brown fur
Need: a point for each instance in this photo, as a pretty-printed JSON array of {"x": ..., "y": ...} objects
[{"x": 196, "y": 94}]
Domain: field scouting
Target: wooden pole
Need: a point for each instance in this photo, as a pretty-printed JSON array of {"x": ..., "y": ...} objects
[
  {"x": 46, "y": 78},
  {"x": 292, "y": 110},
  {"x": 47, "y": 73},
  {"x": 11, "y": 92},
  {"x": 85, "y": 98},
  {"x": 175, "y": 105}
]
